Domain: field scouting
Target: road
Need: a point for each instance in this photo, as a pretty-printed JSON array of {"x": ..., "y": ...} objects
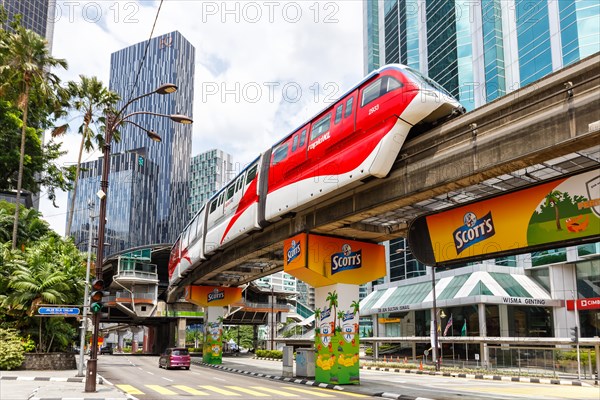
[{"x": 141, "y": 378}]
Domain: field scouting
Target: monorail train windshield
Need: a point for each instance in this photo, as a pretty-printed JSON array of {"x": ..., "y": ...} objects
[{"x": 425, "y": 81}]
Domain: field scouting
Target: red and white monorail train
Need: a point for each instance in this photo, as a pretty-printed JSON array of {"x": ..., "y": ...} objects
[{"x": 357, "y": 137}]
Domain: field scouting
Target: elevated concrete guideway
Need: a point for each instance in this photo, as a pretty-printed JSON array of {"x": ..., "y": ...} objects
[{"x": 544, "y": 130}]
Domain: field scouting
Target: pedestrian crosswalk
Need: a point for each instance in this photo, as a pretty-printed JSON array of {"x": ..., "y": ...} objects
[{"x": 230, "y": 391}]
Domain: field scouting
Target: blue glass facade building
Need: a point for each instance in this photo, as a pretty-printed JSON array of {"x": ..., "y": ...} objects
[
  {"x": 480, "y": 50},
  {"x": 166, "y": 59},
  {"x": 36, "y": 15},
  {"x": 148, "y": 190},
  {"x": 130, "y": 204}
]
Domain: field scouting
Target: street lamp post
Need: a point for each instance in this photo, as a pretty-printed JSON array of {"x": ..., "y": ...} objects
[
  {"x": 86, "y": 300},
  {"x": 114, "y": 120}
]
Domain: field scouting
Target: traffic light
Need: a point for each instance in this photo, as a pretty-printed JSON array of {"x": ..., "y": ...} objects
[
  {"x": 574, "y": 334},
  {"x": 96, "y": 296}
]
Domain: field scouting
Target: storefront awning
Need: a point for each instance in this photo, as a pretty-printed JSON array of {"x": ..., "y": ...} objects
[{"x": 475, "y": 287}]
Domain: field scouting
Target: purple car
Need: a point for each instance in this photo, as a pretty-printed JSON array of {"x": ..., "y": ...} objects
[{"x": 175, "y": 357}]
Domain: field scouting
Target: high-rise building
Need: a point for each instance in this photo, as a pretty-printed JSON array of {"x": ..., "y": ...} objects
[
  {"x": 132, "y": 193},
  {"x": 36, "y": 15},
  {"x": 480, "y": 50},
  {"x": 141, "y": 69},
  {"x": 209, "y": 172},
  {"x": 148, "y": 181}
]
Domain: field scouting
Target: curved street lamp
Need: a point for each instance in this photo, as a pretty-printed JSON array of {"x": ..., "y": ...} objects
[{"x": 114, "y": 120}]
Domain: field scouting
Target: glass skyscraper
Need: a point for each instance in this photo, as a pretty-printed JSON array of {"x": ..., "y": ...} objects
[
  {"x": 148, "y": 190},
  {"x": 209, "y": 172},
  {"x": 130, "y": 206},
  {"x": 36, "y": 15},
  {"x": 480, "y": 50},
  {"x": 140, "y": 69}
]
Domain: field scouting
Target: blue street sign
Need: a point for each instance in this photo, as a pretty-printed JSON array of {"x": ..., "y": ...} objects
[{"x": 58, "y": 311}]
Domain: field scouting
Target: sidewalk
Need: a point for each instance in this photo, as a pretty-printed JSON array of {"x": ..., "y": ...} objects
[{"x": 51, "y": 384}]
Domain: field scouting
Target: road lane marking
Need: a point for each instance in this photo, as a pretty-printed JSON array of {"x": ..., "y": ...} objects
[
  {"x": 248, "y": 391},
  {"x": 151, "y": 373},
  {"x": 275, "y": 391},
  {"x": 311, "y": 392},
  {"x": 346, "y": 393},
  {"x": 167, "y": 379},
  {"x": 191, "y": 390},
  {"x": 219, "y": 390},
  {"x": 160, "y": 389},
  {"x": 129, "y": 389},
  {"x": 219, "y": 379}
]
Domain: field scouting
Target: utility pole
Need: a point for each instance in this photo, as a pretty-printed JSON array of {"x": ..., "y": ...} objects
[{"x": 86, "y": 300}]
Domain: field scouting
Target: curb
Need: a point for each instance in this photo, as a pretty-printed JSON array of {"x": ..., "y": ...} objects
[
  {"x": 308, "y": 382},
  {"x": 481, "y": 376},
  {"x": 38, "y": 378}
]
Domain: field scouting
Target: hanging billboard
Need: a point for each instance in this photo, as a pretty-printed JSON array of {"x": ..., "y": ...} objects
[
  {"x": 556, "y": 213},
  {"x": 323, "y": 260}
]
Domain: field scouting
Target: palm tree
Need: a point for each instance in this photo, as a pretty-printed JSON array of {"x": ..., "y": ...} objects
[
  {"x": 355, "y": 307},
  {"x": 92, "y": 99},
  {"x": 26, "y": 64},
  {"x": 332, "y": 298},
  {"x": 552, "y": 200}
]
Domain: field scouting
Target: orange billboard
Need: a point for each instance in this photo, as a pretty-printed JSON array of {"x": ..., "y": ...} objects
[
  {"x": 322, "y": 260},
  {"x": 212, "y": 296},
  {"x": 551, "y": 214}
]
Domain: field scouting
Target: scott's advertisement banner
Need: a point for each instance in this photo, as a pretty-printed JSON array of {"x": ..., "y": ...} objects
[
  {"x": 551, "y": 214},
  {"x": 212, "y": 296}
]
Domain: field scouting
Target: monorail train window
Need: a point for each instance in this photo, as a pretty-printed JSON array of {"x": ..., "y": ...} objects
[
  {"x": 251, "y": 174},
  {"x": 302, "y": 137},
  {"x": 338, "y": 113},
  {"x": 349, "y": 103},
  {"x": 240, "y": 183},
  {"x": 320, "y": 127},
  {"x": 280, "y": 154},
  {"x": 213, "y": 205},
  {"x": 378, "y": 88},
  {"x": 295, "y": 143},
  {"x": 221, "y": 199},
  {"x": 230, "y": 191}
]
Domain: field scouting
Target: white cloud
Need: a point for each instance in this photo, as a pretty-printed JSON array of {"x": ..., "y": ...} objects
[{"x": 256, "y": 48}]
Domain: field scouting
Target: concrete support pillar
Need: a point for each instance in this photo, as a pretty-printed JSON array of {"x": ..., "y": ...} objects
[
  {"x": 120, "y": 335},
  {"x": 212, "y": 353},
  {"x": 181, "y": 325},
  {"x": 150, "y": 340},
  {"x": 337, "y": 334},
  {"x": 483, "y": 349},
  {"x": 503, "y": 316},
  {"x": 272, "y": 324}
]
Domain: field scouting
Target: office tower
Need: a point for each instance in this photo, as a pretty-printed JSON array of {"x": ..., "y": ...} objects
[
  {"x": 36, "y": 15},
  {"x": 141, "y": 69},
  {"x": 209, "y": 172},
  {"x": 480, "y": 50},
  {"x": 132, "y": 193}
]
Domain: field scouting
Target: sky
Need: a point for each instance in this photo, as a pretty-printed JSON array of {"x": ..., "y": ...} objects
[{"x": 261, "y": 67}]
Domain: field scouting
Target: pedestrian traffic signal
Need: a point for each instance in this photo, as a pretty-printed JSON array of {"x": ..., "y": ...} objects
[
  {"x": 96, "y": 296},
  {"x": 574, "y": 334}
]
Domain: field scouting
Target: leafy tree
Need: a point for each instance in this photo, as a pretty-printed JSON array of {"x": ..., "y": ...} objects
[
  {"x": 92, "y": 100},
  {"x": 49, "y": 270},
  {"x": 11, "y": 349},
  {"x": 332, "y": 298},
  {"x": 25, "y": 64}
]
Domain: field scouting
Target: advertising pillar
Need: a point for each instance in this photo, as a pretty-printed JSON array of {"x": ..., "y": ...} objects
[
  {"x": 337, "y": 334},
  {"x": 335, "y": 267},
  {"x": 213, "y": 299}
]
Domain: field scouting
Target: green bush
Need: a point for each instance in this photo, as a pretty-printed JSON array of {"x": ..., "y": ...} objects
[
  {"x": 11, "y": 349},
  {"x": 269, "y": 354},
  {"x": 369, "y": 351}
]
